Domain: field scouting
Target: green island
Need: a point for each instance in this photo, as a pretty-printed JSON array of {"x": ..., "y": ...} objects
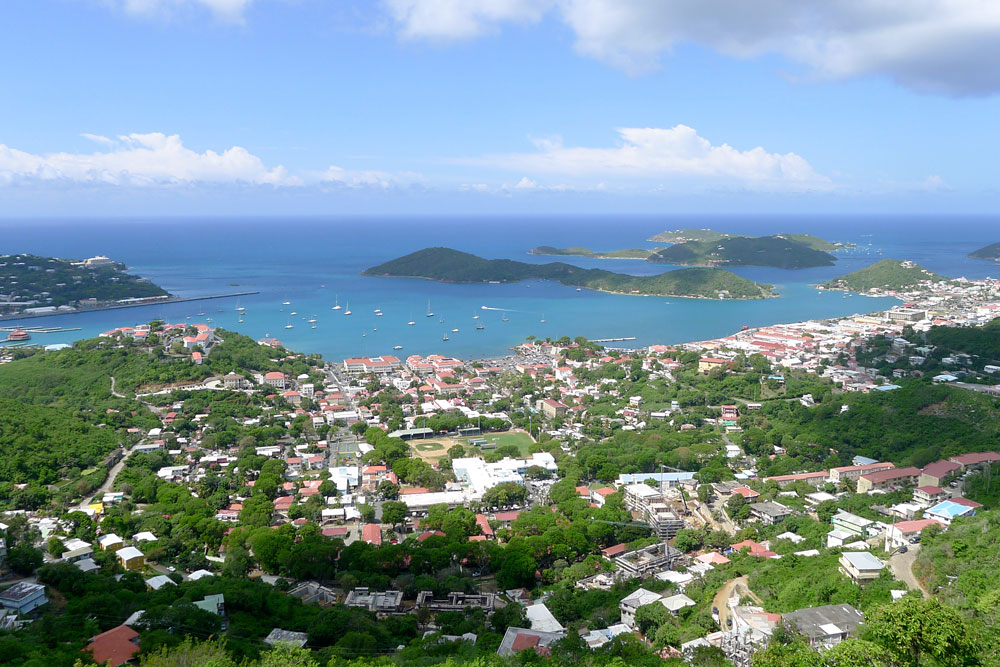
[
  {"x": 889, "y": 274},
  {"x": 990, "y": 252},
  {"x": 773, "y": 251},
  {"x": 448, "y": 265},
  {"x": 30, "y": 281},
  {"x": 710, "y": 235},
  {"x": 628, "y": 253}
]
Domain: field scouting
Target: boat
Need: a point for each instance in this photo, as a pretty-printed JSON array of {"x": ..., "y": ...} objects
[
  {"x": 314, "y": 326},
  {"x": 239, "y": 308},
  {"x": 363, "y": 334},
  {"x": 475, "y": 317},
  {"x": 293, "y": 313},
  {"x": 543, "y": 318},
  {"x": 18, "y": 335},
  {"x": 444, "y": 337},
  {"x": 411, "y": 322},
  {"x": 286, "y": 303},
  {"x": 505, "y": 318},
  {"x": 336, "y": 304},
  {"x": 579, "y": 289},
  {"x": 347, "y": 308},
  {"x": 430, "y": 313},
  {"x": 480, "y": 326},
  {"x": 313, "y": 320},
  {"x": 322, "y": 286},
  {"x": 201, "y": 314},
  {"x": 289, "y": 326},
  {"x": 374, "y": 328},
  {"x": 378, "y": 314},
  {"x": 744, "y": 327},
  {"x": 455, "y": 330},
  {"x": 397, "y": 347}
]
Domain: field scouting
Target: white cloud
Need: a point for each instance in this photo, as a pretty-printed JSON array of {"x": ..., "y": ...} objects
[
  {"x": 942, "y": 46},
  {"x": 97, "y": 138},
  {"x": 460, "y": 19},
  {"x": 141, "y": 159},
  {"x": 227, "y": 10},
  {"x": 366, "y": 178},
  {"x": 652, "y": 154}
]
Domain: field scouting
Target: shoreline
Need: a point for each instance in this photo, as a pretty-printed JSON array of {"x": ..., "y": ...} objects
[
  {"x": 28, "y": 316},
  {"x": 773, "y": 295}
]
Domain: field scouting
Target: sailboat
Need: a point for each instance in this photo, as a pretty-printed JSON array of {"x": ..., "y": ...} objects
[
  {"x": 543, "y": 318},
  {"x": 337, "y": 303},
  {"x": 480, "y": 326},
  {"x": 289, "y": 325},
  {"x": 397, "y": 347},
  {"x": 347, "y": 308},
  {"x": 505, "y": 318},
  {"x": 239, "y": 308},
  {"x": 444, "y": 337},
  {"x": 286, "y": 303},
  {"x": 430, "y": 313},
  {"x": 455, "y": 330},
  {"x": 475, "y": 317},
  {"x": 411, "y": 322},
  {"x": 313, "y": 320}
]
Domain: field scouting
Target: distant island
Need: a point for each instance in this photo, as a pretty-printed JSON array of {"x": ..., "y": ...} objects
[
  {"x": 31, "y": 284},
  {"x": 628, "y": 253},
  {"x": 774, "y": 251},
  {"x": 990, "y": 252},
  {"x": 889, "y": 274},
  {"x": 454, "y": 266},
  {"x": 710, "y": 235}
]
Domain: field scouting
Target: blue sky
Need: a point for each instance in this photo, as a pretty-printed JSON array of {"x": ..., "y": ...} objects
[{"x": 126, "y": 107}]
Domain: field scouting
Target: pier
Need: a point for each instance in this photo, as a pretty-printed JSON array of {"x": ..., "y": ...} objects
[
  {"x": 21, "y": 316},
  {"x": 611, "y": 340}
]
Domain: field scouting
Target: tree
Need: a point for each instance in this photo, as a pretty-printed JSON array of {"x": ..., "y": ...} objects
[
  {"x": 24, "y": 559},
  {"x": 687, "y": 539},
  {"x": 388, "y": 490},
  {"x": 55, "y": 546},
  {"x": 394, "y": 512},
  {"x": 505, "y": 494},
  {"x": 913, "y": 629},
  {"x": 367, "y": 513},
  {"x": 651, "y": 616}
]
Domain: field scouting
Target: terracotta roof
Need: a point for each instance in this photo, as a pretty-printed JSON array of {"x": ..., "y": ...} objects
[
  {"x": 523, "y": 641},
  {"x": 114, "y": 646}
]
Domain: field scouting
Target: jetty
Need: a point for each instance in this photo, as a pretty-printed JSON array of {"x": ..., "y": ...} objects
[
  {"x": 116, "y": 306},
  {"x": 611, "y": 340}
]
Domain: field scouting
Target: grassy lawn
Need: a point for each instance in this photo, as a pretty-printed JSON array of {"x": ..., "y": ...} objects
[
  {"x": 428, "y": 446},
  {"x": 520, "y": 440}
]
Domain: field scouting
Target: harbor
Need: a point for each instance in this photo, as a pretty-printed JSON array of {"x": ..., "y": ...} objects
[{"x": 118, "y": 306}]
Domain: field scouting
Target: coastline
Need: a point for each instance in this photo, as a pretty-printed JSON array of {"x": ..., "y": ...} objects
[{"x": 27, "y": 316}]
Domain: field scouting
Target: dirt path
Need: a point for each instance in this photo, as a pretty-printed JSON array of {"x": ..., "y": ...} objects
[
  {"x": 902, "y": 569},
  {"x": 737, "y": 585}
]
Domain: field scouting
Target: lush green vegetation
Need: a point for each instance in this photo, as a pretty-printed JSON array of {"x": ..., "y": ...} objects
[
  {"x": 775, "y": 251},
  {"x": 449, "y": 265},
  {"x": 991, "y": 252},
  {"x": 891, "y": 274},
  {"x": 711, "y": 236},
  {"x": 27, "y": 276},
  {"x": 628, "y": 253},
  {"x": 981, "y": 341}
]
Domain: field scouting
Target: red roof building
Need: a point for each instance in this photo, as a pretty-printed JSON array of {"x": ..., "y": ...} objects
[
  {"x": 372, "y": 533},
  {"x": 115, "y": 647}
]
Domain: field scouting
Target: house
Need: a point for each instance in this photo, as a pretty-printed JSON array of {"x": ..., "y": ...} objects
[
  {"x": 888, "y": 479},
  {"x": 706, "y": 364},
  {"x": 675, "y": 603},
  {"x": 907, "y": 532},
  {"x": 276, "y": 379},
  {"x": 929, "y": 495},
  {"x": 860, "y": 566},
  {"x": 110, "y": 542},
  {"x": 159, "y": 581},
  {"x": 599, "y": 496},
  {"x": 825, "y": 626},
  {"x": 844, "y": 473},
  {"x": 23, "y": 597},
  {"x": 516, "y": 640},
  {"x": 937, "y": 473},
  {"x": 730, "y": 413},
  {"x": 372, "y": 534},
  {"x": 631, "y": 603},
  {"x": 552, "y": 409},
  {"x": 769, "y": 513},
  {"x": 131, "y": 559},
  {"x": 851, "y": 523},
  {"x": 975, "y": 459},
  {"x": 541, "y": 619},
  {"x": 215, "y": 604},
  {"x": 114, "y": 647},
  {"x": 949, "y": 510}
]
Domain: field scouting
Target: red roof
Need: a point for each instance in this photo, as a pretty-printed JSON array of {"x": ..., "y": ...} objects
[
  {"x": 940, "y": 469},
  {"x": 888, "y": 475},
  {"x": 614, "y": 550},
  {"x": 484, "y": 525},
  {"x": 749, "y": 544},
  {"x": 335, "y": 531},
  {"x": 429, "y": 534},
  {"x": 506, "y": 516},
  {"x": 930, "y": 490},
  {"x": 916, "y": 526},
  {"x": 372, "y": 533},
  {"x": 116, "y": 646},
  {"x": 959, "y": 500},
  {"x": 605, "y": 491},
  {"x": 523, "y": 641},
  {"x": 975, "y": 458},
  {"x": 746, "y": 492}
]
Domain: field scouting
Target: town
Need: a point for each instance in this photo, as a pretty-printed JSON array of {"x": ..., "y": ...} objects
[{"x": 678, "y": 501}]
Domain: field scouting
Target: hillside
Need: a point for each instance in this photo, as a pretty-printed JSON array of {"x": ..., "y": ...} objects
[
  {"x": 67, "y": 282},
  {"x": 448, "y": 265},
  {"x": 889, "y": 274},
  {"x": 773, "y": 251},
  {"x": 990, "y": 252},
  {"x": 710, "y": 235},
  {"x": 628, "y": 253}
]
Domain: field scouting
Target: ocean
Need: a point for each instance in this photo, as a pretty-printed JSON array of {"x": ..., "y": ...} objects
[{"x": 315, "y": 263}]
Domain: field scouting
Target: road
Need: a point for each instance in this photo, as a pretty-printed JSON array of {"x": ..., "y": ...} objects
[
  {"x": 109, "y": 482},
  {"x": 902, "y": 568},
  {"x": 737, "y": 585}
]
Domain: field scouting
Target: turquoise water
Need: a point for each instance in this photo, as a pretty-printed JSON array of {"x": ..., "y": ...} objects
[{"x": 293, "y": 259}]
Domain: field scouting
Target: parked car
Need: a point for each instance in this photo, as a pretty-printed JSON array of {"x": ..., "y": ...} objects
[{"x": 902, "y": 549}]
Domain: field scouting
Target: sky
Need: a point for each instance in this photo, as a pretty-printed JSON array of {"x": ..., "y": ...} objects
[{"x": 234, "y": 107}]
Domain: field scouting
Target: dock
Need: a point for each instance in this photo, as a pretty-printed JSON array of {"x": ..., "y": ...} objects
[
  {"x": 611, "y": 340},
  {"x": 231, "y": 295}
]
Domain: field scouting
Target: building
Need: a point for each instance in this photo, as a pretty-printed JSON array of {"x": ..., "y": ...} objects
[
  {"x": 825, "y": 626},
  {"x": 851, "y": 523},
  {"x": 929, "y": 495},
  {"x": 907, "y": 532},
  {"x": 706, "y": 364},
  {"x": 888, "y": 479},
  {"x": 949, "y": 510},
  {"x": 384, "y": 365},
  {"x": 131, "y": 559},
  {"x": 631, "y": 603},
  {"x": 542, "y": 620},
  {"x": 380, "y": 602},
  {"x": 813, "y": 478},
  {"x": 110, "y": 542},
  {"x": 276, "y": 379},
  {"x": 114, "y": 647},
  {"x": 937, "y": 473},
  {"x": 975, "y": 459},
  {"x": 844, "y": 473},
  {"x": 23, "y": 597},
  {"x": 516, "y": 640},
  {"x": 215, "y": 604},
  {"x": 647, "y": 561},
  {"x": 456, "y": 601},
  {"x": 860, "y": 566},
  {"x": 675, "y": 603},
  {"x": 293, "y": 639},
  {"x": 769, "y": 513},
  {"x": 905, "y": 315}
]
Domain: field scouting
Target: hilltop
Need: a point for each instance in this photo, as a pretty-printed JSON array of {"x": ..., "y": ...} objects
[
  {"x": 774, "y": 251},
  {"x": 36, "y": 281},
  {"x": 991, "y": 252},
  {"x": 889, "y": 274},
  {"x": 448, "y": 265}
]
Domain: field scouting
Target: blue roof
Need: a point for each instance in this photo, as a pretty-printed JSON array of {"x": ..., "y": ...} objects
[
  {"x": 887, "y": 387},
  {"x": 950, "y": 509},
  {"x": 863, "y": 461}
]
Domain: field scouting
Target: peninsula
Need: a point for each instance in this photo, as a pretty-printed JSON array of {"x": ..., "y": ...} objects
[
  {"x": 449, "y": 265},
  {"x": 990, "y": 252},
  {"x": 627, "y": 253},
  {"x": 710, "y": 235},
  {"x": 889, "y": 274},
  {"x": 773, "y": 251},
  {"x": 30, "y": 284}
]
